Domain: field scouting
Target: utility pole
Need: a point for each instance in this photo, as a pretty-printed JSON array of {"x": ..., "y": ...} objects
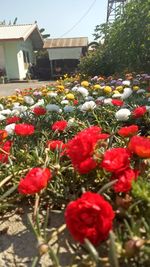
[{"x": 113, "y": 8}]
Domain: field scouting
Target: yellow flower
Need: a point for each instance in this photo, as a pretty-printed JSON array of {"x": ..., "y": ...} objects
[
  {"x": 60, "y": 88},
  {"x": 70, "y": 96},
  {"x": 20, "y": 99},
  {"x": 14, "y": 97},
  {"x": 116, "y": 92},
  {"x": 119, "y": 88},
  {"x": 85, "y": 83},
  {"x": 136, "y": 88},
  {"x": 9, "y": 98},
  {"x": 107, "y": 89},
  {"x": 44, "y": 90},
  {"x": 97, "y": 86}
]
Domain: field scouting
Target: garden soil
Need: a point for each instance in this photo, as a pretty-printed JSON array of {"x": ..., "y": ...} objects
[{"x": 18, "y": 244}]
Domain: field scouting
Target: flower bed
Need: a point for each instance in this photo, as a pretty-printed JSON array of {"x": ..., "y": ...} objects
[{"x": 81, "y": 147}]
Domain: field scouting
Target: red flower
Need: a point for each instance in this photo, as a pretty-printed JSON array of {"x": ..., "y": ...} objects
[
  {"x": 75, "y": 102},
  {"x": 5, "y": 151},
  {"x": 128, "y": 130},
  {"x": 117, "y": 102},
  {"x": 125, "y": 179},
  {"x": 139, "y": 112},
  {"x": 24, "y": 129},
  {"x": 59, "y": 125},
  {"x": 35, "y": 180},
  {"x": 12, "y": 120},
  {"x": 140, "y": 146},
  {"x": 3, "y": 134},
  {"x": 81, "y": 149},
  {"x": 116, "y": 159},
  {"x": 55, "y": 144},
  {"x": 39, "y": 111},
  {"x": 91, "y": 217}
]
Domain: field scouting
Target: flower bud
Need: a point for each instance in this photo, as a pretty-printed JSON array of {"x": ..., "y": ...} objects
[
  {"x": 132, "y": 246},
  {"x": 43, "y": 248}
]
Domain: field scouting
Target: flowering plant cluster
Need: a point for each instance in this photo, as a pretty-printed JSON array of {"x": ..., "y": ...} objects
[{"x": 83, "y": 147}]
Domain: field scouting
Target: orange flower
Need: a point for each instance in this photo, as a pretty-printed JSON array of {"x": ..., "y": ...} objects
[
  {"x": 140, "y": 146},
  {"x": 3, "y": 134}
]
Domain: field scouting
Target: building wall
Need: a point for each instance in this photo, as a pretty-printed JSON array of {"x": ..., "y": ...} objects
[
  {"x": 12, "y": 58},
  {"x": 25, "y": 55},
  {"x": 2, "y": 57},
  {"x": 11, "y": 62}
]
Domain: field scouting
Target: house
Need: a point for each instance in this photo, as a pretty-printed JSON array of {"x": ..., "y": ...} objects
[
  {"x": 17, "y": 46},
  {"x": 65, "y": 54}
]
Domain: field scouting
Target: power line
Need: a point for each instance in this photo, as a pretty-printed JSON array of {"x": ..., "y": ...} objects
[{"x": 83, "y": 16}]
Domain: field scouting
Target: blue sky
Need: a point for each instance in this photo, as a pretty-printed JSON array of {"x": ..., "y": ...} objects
[{"x": 58, "y": 17}]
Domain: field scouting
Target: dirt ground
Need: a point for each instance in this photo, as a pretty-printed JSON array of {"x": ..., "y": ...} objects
[
  {"x": 9, "y": 88},
  {"x": 18, "y": 244}
]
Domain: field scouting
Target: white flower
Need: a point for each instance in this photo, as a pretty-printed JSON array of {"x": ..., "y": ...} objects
[
  {"x": 64, "y": 102},
  {"x": 89, "y": 98},
  {"x": 75, "y": 89},
  {"x": 29, "y": 100},
  {"x": 140, "y": 91},
  {"x": 148, "y": 108},
  {"x": 95, "y": 93},
  {"x": 107, "y": 101},
  {"x": 100, "y": 98},
  {"x": 69, "y": 109},
  {"x": 123, "y": 114},
  {"x": 116, "y": 95},
  {"x": 52, "y": 94},
  {"x": 39, "y": 103},
  {"x": 10, "y": 128},
  {"x": 16, "y": 104},
  {"x": 53, "y": 107},
  {"x": 5, "y": 112},
  {"x": 126, "y": 93},
  {"x": 126, "y": 82},
  {"x": 15, "y": 112},
  {"x": 20, "y": 108},
  {"x": 1, "y": 107},
  {"x": 89, "y": 105},
  {"x": 83, "y": 91},
  {"x": 2, "y": 117},
  {"x": 71, "y": 121}
]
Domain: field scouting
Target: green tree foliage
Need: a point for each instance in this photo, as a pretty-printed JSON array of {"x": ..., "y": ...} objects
[{"x": 126, "y": 42}]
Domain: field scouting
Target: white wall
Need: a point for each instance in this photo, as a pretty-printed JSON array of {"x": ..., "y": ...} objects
[
  {"x": 2, "y": 57},
  {"x": 11, "y": 61}
]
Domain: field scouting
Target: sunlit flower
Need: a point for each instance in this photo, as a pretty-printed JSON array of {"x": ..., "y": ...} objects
[
  {"x": 122, "y": 114},
  {"x": 126, "y": 93},
  {"x": 29, "y": 100},
  {"x": 107, "y": 89},
  {"x": 85, "y": 83},
  {"x": 88, "y": 106},
  {"x": 10, "y": 128}
]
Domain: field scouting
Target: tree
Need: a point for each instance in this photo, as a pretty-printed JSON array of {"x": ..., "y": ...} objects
[{"x": 126, "y": 42}]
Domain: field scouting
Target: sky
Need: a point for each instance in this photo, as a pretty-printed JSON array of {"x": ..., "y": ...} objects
[{"x": 59, "y": 18}]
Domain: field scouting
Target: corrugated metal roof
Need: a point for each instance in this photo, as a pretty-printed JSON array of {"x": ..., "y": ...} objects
[
  {"x": 13, "y": 32},
  {"x": 66, "y": 42}
]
